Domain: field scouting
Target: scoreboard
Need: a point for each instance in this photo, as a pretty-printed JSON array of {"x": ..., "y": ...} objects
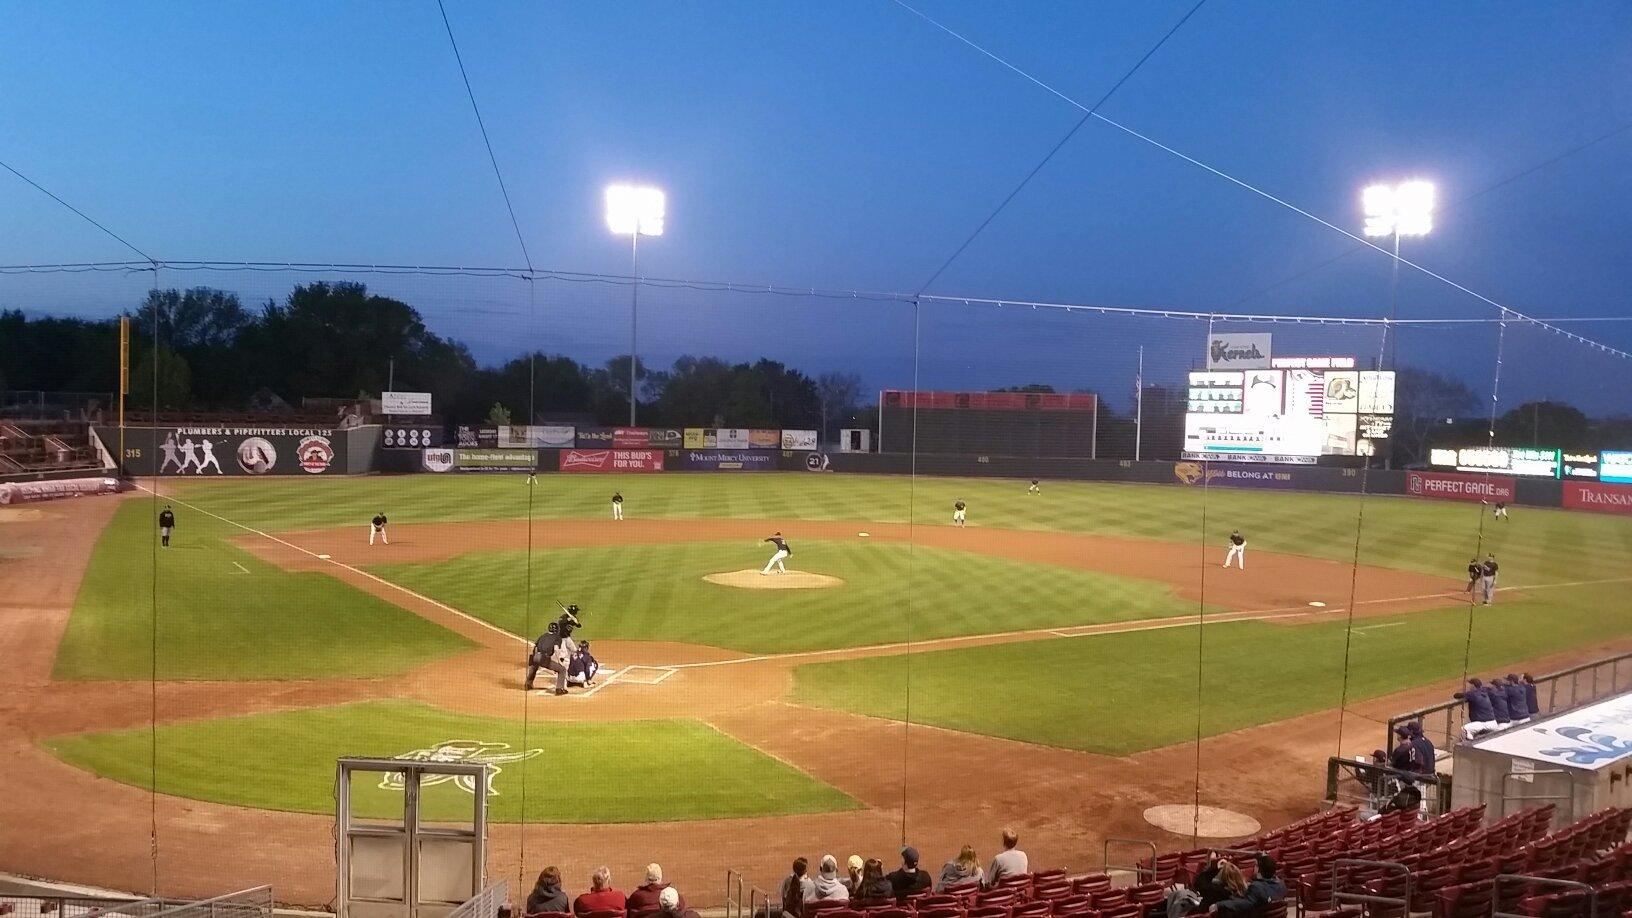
[
  {"x": 1293, "y": 412},
  {"x": 1537, "y": 462}
]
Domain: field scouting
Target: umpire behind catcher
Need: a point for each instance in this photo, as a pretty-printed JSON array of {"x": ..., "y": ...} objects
[{"x": 554, "y": 649}]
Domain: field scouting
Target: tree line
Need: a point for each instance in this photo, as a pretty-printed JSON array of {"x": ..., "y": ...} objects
[{"x": 203, "y": 349}]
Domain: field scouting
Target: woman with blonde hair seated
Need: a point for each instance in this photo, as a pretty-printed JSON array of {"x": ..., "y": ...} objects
[{"x": 964, "y": 869}]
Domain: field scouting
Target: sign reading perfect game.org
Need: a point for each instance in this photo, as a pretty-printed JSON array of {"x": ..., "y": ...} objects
[{"x": 1238, "y": 352}]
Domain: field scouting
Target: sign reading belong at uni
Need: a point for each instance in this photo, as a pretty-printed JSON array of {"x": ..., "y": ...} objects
[
  {"x": 1592, "y": 737},
  {"x": 1594, "y": 495},
  {"x": 1453, "y": 486}
]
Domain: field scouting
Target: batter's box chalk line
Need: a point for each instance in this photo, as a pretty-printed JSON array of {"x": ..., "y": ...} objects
[{"x": 644, "y": 675}]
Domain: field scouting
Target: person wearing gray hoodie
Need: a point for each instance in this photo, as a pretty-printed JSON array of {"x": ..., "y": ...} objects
[{"x": 828, "y": 885}]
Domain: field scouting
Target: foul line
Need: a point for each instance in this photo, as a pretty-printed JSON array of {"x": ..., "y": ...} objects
[
  {"x": 241, "y": 568},
  {"x": 362, "y": 573}
]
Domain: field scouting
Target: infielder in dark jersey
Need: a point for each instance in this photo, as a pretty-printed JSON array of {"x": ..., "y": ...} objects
[
  {"x": 1488, "y": 581},
  {"x": 377, "y": 528},
  {"x": 782, "y": 552},
  {"x": 1475, "y": 571},
  {"x": 167, "y": 524},
  {"x": 1238, "y": 550},
  {"x": 617, "y": 505},
  {"x": 958, "y": 508}
]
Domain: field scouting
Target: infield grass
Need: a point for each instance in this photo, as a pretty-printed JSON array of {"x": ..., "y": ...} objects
[
  {"x": 1123, "y": 693},
  {"x": 892, "y": 592},
  {"x": 612, "y": 772},
  {"x": 212, "y": 611}
]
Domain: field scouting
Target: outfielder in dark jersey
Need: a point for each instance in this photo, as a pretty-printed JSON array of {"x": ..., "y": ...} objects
[
  {"x": 617, "y": 505},
  {"x": 167, "y": 525}
]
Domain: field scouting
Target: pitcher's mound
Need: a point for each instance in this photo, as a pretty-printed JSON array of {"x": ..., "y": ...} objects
[
  {"x": 792, "y": 580},
  {"x": 1180, "y": 819}
]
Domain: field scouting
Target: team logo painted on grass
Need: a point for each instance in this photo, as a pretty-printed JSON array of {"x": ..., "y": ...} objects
[{"x": 474, "y": 751}]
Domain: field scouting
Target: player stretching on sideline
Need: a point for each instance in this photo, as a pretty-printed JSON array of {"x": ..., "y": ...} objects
[
  {"x": 958, "y": 507},
  {"x": 1475, "y": 571},
  {"x": 782, "y": 552},
  {"x": 617, "y": 505},
  {"x": 167, "y": 525},
  {"x": 376, "y": 527},
  {"x": 1238, "y": 550},
  {"x": 1034, "y": 489}
]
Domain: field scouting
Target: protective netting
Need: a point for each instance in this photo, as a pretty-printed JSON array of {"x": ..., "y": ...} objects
[{"x": 952, "y": 650}]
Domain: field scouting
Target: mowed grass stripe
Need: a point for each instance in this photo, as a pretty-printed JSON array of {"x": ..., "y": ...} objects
[
  {"x": 1422, "y": 535},
  {"x": 1123, "y": 693},
  {"x": 892, "y": 592},
  {"x": 214, "y": 621},
  {"x": 623, "y": 771}
]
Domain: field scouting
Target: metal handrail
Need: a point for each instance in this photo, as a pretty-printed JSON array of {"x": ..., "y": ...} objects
[
  {"x": 755, "y": 894},
  {"x": 733, "y": 881},
  {"x": 1440, "y": 784},
  {"x": 1549, "y": 680},
  {"x": 1495, "y": 905},
  {"x": 1340, "y": 897},
  {"x": 1138, "y": 872}
]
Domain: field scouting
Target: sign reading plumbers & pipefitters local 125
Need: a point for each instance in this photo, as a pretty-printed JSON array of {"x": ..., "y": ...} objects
[{"x": 1230, "y": 351}]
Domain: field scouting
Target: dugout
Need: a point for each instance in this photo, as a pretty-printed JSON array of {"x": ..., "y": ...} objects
[{"x": 1579, "y": 760}]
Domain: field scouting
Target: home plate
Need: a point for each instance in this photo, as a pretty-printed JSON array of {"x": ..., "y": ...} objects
[
  {"x": 323, "y": 557},
  {"x": 1317, "y": 604}
]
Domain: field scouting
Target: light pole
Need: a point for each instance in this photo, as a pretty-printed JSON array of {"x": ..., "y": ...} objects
[
  {"x": 1406, "y": 209},
  {"x": 638, "y": 211}
]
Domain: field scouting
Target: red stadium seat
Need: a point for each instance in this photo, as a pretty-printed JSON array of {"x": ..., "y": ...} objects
[
  {"x": 942, "y": 912},
  {"x": 989, "y": 911},
  {"x": 820, "y": 906},
  {"x": 1071, "y": 905},
  {"x": 1032, "y": 910},
  {"x": 549, "y": 915},
  {"x": 940, "y": 900},
  {"x": 1095, "y": 882}
]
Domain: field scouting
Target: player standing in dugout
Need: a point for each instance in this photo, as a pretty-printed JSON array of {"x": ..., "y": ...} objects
[{"x": 167, "y": 525}]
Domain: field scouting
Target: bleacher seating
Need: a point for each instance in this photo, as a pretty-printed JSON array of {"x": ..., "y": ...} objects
[{"x": 51, "y": 446}]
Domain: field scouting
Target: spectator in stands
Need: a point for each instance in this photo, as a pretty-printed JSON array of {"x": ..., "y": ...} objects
[
  {"x": 602, "y": 897},
  {"x": 669, "y": 905},
  {"x": 1265, "y": 888},
  {"x": 1518, "y": 700},
  {"x": 875, "y": 887},
  {"x": 547, "y": 895},
  {"x": 1404, "y": 756},
  {"x": 796, "y": 889},
  {"x": 910, "y": 879},
  {"x": 1217, "y": 881},
  {"x": 1408, "y": 800},
  {"x": 853, "y": 883},
  {"x": 1530, "y": 694},
  {"x": 1481, "y": 716},
  {"x": 963, "y": 870},
  {"x": 1009, "y": 862},
  {"x": 1427, "y": 755},
  {"x": 828, "y": 885},
  {"x": 644, "y": 898},
  {"x": 1498, "y": 703}
]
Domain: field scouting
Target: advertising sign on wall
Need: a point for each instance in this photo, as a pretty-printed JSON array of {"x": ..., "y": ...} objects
[
  {"x": 799, "y": 439},
  {"x": 1452, "y": 486},
  {"x": 630, "y": 438},
  {"x": 535, "y": 436},
  {"x": 698, "y": 438},
  {"x": 1580, "y": 465},
  {"x": 1238, "y": 351},
  {"x": 1606, "y": 498},
  {"x": 438, "y": 460},
  {"x": 495, "y": 460},
  {"x": 1615, "y": 465},
  {"x": 211, "y": 451},
  {"x": 611, "y": 460},
  {"x": 405, "y": 402},
  {"x": 764, "y": 439},
  {"x": 730, "y": 460},
  {"x": 664, "y": 437},
  {"x": 594, "y": 437},
  {"x": 397, "y": 436},
  {"x": 731, "y": 438}
]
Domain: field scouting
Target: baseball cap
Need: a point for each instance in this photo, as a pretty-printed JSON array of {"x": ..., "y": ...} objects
[{"x": 909, "y": 854}]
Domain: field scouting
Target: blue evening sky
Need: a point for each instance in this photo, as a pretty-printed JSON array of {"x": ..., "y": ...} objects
[{"x": 845, "y": 145}]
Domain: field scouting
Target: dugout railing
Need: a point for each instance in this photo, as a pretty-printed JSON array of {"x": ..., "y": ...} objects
[
  {"x": 1367, "y": 785},
  {"x": 1556, "y": 691}
]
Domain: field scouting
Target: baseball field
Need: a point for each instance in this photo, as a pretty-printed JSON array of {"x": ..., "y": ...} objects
[{"x": 1077, "y": 655}]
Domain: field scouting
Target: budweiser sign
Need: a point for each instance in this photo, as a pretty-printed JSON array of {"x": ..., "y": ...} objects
[
  {"x": 1606, "y": 498},
  {"x": 611, "y": 460},
  {"x": 1451, "y": 486},
  {"x": 585, "y": 460}
]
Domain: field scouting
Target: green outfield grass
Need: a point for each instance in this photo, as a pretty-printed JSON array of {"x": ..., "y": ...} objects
[
  {"x": 224, "y": 614},
  {"x": 1118, "y": 694},
  {"x": 640, "y": 771},
  {"x": 1411, "y": 534},
  {"x": 892, "y": 592}
]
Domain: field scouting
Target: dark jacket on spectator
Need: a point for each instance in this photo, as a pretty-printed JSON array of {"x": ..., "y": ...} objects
[
  {"x": 1530, "y": 696},
  {"x": 906, "y": 881},
  {"x": 1498, "y": 703},
  {"x": 1425, "y": 752},
  {"x": 644, "y": 898},
  {"x": 1260, "y": 892},
  {"x": 1518, "y": 701},
  {"x": 877, "y": 890},
  {"x": 1479, "y": 709},
  {"x": 1207, "y": 886},
  {"x": 1404, "y": 757},
  {"x": 546, "y": 899}
]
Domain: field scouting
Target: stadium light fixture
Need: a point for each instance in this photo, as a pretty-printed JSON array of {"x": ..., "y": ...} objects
[
  {"x": 634, "y": 211},
  {"x": 1406, "y": 209}
]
